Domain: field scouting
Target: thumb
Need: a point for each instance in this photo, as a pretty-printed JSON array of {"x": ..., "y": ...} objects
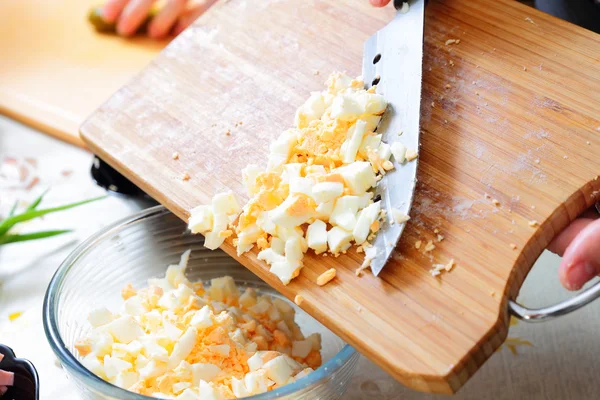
[{"x": 581, "y": 261}]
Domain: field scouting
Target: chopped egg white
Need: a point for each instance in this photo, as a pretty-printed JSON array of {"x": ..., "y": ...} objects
[
  {"x": 316, "y": 187},
  {"x": 201, "y": 343}
]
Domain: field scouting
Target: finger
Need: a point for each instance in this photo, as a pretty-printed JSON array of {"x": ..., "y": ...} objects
[
  {"x": 132, "y": 16},
  {"x": 560, "y": 243},
  {"x": 189, "y": 16},
  {"x": 162, "y": 23},
  {"x": 379, "y": 3},
  {"x": 581, "y": 261},
  {"x": 112, "y": 9}
]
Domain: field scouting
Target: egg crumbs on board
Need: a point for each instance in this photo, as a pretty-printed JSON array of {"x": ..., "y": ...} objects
[
  {"x": 326, "y": 277},
  {"x": 316, "y": 191},
  {"x": 177, "y": 339},
  {"x": 298, "y": 299}
]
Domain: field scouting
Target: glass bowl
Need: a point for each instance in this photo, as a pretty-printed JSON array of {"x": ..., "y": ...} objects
[{"x": 141, "y": 247}]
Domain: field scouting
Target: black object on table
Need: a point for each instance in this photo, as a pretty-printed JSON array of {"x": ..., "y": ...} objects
[{"x": 27, "y": 384}]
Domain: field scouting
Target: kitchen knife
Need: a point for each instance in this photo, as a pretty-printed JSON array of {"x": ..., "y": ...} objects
[{"x": 392, "y": 60}]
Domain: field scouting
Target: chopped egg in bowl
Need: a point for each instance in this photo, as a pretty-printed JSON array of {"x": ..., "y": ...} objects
[{"x": 203, "y": 328}]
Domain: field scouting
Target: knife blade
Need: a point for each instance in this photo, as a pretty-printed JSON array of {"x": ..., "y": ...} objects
[{"x": 393, "y": 60}]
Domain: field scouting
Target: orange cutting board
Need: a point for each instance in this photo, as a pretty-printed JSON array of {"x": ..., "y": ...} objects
[
  {"x": 55, "y": 69},
  {"x": 512, "y": 111}
]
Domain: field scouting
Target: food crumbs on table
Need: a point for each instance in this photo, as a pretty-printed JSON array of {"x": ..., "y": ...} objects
[
  {"x": 176, "y": 156},
  {"x": 448, "y": 86},
  {"x": 513, "y": 246},
  {"x": 15, "y": 315},
  {"x": 228, "y": 132},
  {"x": 533, "y": 207},
  {"x": 298, "y": 299},
  {"x": 436, "y": 230},
  {"x": 496, "y": 202},
  {"x": 513, "y": 343},
  {"x": 537, "y": 160},
  {"x": 440, "y": 238},
  {"x": 326, "y": 277},
  {"x": 448, "y": 267},
  {"x": 451, "y": 41},
  {"x": 524, "y": 68},
  {"x": 588, "y": 142},
  {"x": 418, "y": 244},
  {"x": 451, "y": 63},
  {"x": 433, "y": 104},
  {"x": 487, "y": 196},
  {"x": 565, "y": 156},
  {"x": 529, "y": 20},
  {"x": 186, "y": 176},
  {"x": 533, "y": 223},
  {"x": 492, "y": 293}
]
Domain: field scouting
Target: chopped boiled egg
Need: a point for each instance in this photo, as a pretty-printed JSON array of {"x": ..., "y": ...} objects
[
  {"x": 320, "y": 173},
  {"x": 217, "y": 345}
]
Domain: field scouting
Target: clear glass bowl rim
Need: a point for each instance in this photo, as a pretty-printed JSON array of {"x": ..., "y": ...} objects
[{"x": 66, "y": 358}]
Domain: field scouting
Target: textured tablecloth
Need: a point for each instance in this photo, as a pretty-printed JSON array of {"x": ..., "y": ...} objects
[{"x": 561, "y": 363}]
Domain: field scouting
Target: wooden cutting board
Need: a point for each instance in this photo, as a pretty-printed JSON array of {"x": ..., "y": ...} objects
[
  {"x": 55, "y": 69},
  {"x": 512, "y": 111}
]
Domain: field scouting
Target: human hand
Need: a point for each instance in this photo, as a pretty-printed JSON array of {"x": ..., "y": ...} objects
[
  {"x": 579, "y": 245},
  {"x": 173, "y": 17}
]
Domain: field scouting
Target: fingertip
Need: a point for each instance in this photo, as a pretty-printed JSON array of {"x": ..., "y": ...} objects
[
  {"x": 111, "y": 10},
  {"x": 156, "y": 33},
  {"x": 124, "y": 28},
  {"x": 379, "y": 3},
  {"x": 574, "y": 276}
]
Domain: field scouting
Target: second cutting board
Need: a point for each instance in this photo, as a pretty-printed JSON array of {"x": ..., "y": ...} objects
[{"x": 55, "y": 69}]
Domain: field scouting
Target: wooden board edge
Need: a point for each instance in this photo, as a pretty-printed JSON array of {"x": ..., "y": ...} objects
[{"x": 71, "y": 138}]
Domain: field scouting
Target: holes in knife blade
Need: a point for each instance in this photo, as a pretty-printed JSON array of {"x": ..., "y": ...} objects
[
  {"x": 377, "y": 58},
  {"x": 377, "y": 198},
  {"x": 376, "y": 80}
]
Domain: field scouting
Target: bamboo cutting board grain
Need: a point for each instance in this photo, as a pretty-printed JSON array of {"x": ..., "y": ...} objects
[{"x": 511, "y": 111}]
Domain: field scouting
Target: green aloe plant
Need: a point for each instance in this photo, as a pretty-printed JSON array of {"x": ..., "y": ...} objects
[{"x": 32, "y": 212}]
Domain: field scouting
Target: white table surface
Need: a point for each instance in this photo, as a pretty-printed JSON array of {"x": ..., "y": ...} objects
[{"x": 561, "y": 364}]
